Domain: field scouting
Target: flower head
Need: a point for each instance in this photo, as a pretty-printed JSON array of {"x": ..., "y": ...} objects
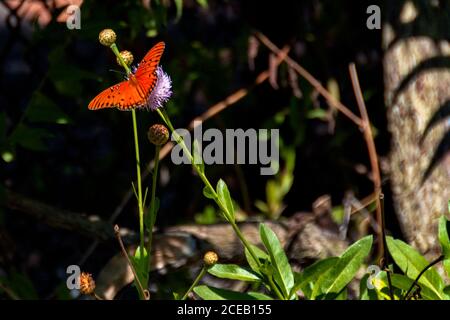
[
  {"x": 158, "y": 134},
  {"x": 210, "y": 258},
  {"x": 162, "y": 91},
  {"x": 87, "y": 283},
  {"x": 107, "y": 37},
  {"x": 127, "y": 57}
]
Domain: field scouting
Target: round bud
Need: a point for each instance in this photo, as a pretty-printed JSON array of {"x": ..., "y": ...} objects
[
  {"x": 158, "y": 134},
  {"x": 127, "y": 56},
  {"x": 107, "y": 37},
  {"x": 87, "y": 283},
  {"x": 210, "y": 258}
]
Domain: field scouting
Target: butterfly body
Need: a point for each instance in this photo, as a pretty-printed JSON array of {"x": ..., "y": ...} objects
[{"x": 135, "y": 91}]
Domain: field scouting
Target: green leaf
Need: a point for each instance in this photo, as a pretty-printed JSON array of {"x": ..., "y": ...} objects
[
  {"x": 148, "y": 215},
  {"x": 203, "y": 3},
  {"x": 43, "y": 109},
  {"x": 30, "y": 138},
  {"x": 443, "y": 236},
  {"x": 305, "y": 281},
  {"x": 179, "y": 9},
  {"x": 445, "y": 243},
  {"x": 317, "y": 113},
  {"x": 262, "y": 206},
  {"x": 260, "y": 254},
  {"x": 207, "y": 193},
  {"x": 197, "y": 155},
  {"x": 22, "y": 286},
  {"x": 364, "y": 292},
  {"x": 336, "y": 278},
  {"x": 342, "y": 295},
  {"x": 412, "y": 263},
  {"x": 282, "y": 270},
  {"x": 404, "y": 283},
  {"x": 140, "y": 264},
  {"x": 212, "y": 293},
  {"x": 233, "y": 272},
  {"x": 225, "y": 199},
  {"x": 447, "y": 290},
  {"x": 208, "y": 216}
]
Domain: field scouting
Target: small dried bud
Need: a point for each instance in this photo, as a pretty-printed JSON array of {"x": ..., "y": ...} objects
[
  {"x": 87, "y": 283},
  {"x": 107, "y": 37},
  {"x": 210, "y": 258},
  {"x": 127, "y": 56},
  {"x": 158, "y": 134}
]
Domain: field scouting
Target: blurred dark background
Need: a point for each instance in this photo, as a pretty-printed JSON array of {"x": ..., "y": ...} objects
[{"x": 58, "y": 152}]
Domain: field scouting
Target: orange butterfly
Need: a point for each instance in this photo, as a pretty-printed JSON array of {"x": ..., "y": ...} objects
[{"x": 139, "y": 90}]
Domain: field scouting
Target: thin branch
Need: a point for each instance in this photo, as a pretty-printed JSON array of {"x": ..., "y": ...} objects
[
  {"x": 9, "y": 292},
  {"x": 91, "y": 226},
  {"x": 368, "y": 137},
  {"x": 144, "y": 292},
  {"x": 313, "y": 81}
]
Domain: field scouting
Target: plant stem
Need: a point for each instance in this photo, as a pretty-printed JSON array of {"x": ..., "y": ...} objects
[
  {"x": 139, "y": 184},
  {"x": 139, "y": 286},
  {"x": 152, "y": 212},
  {"x": 199, "y": 277},
  {"x": 122, "y": 62},
  {"x": 138, "y": 162},
  {"x": 228, "y": 215},
  {"x": 385, "y": 259}
]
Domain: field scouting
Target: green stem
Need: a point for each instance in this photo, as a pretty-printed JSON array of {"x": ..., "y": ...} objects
[
  {"x": 139, "y": 184},
  {"x": 122, "y": 62},
  {"x": 275, "y": 288},
  {"x": 199, "y": 277},
  {"x": 152, "y": 212},
  {"x": 228, "y": 215},
  {"x": 138, "y": 162}
]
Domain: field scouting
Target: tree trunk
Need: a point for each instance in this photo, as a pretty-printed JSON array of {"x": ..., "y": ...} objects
[{"x": 417, "y": 95}]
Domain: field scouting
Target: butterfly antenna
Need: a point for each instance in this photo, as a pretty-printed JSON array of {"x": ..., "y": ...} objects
[{"x": 121, "y": 72}]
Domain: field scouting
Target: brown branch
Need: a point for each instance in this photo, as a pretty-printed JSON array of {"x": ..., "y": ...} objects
[
  {"x": 90, "y": 226},
  {"x": 145, "y": 293},
  {"x": 368, "y": 137},
  {"x": 313, "y": 81},
  {"x": 9, "y": 292}
]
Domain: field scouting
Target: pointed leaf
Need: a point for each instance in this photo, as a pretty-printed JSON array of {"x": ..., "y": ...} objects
[
  {"x": 336, "y": 278},
  {"x": 282, "y": 270},
  {"x": 445, "y": 243},
  {"x": 412, "y": 263},
  {"x": 225, "y": 199},
  {"x": 207, "y": 193},
  {"x": 404, "y": 283},
  {"x": 305, "y": 281},
  {"x": 212, "y": 293},
  {"x": 233, "y": 272},
  {"x": 198, "y": 158},
  {"x": 260, "y": 254}
]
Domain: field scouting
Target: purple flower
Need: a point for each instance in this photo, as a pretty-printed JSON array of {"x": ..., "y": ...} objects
[{"x": 162, "y": 91}]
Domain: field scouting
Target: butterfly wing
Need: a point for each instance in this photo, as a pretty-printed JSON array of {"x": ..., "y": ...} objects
[
  {"x": 134, "y": 92},
  {"x": 146, "y": 72},
  {"x": 123, "y": 96}
]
